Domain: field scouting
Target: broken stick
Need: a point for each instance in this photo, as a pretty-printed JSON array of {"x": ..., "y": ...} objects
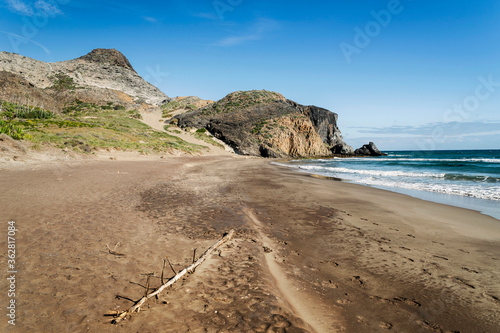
[
  {"x": 113, "y": 252},
  {"x": 137, "y": 306}
]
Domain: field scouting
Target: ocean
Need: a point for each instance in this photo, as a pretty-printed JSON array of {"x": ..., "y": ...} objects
[{"x": 463, "y": 178}]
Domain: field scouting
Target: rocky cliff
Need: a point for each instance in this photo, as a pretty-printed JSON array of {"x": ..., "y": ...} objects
[
  {"x": 102, "y": 71},
  {"x": 264, "y": 123}
]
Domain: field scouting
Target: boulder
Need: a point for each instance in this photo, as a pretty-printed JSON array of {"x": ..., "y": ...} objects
[
  {"x": 369, "y": 150},
  {"x": 342, "y": 149}
]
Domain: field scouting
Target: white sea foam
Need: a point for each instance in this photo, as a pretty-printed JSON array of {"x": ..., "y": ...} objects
[
  {"x": 379, "y": 173},
  {"x": 389, "y": 159},
  {"x": 491, "y": 193},
  {"x": 426, "y": 181}
]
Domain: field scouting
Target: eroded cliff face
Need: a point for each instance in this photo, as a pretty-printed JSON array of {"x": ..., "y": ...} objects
[
  {"x": 293, "y": 136},
  {"x": 264, "y": 123}
]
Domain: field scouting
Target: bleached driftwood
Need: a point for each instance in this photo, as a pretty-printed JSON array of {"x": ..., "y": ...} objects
[
  {"x": 113, "y": 252},
  {"x": 137, "y": 306}
]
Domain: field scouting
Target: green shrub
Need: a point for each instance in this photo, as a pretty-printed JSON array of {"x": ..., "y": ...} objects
[
  {"x": 134, "y": 114},
  {"x": 63, "y": 82},
  {"x": 201, "y": 130},
  {"x": 12, "y": 130},
  {"x": 14, "y": 110}
]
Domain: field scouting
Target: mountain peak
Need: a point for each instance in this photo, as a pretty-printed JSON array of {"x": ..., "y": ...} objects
[{"x": 108, "y": 56}]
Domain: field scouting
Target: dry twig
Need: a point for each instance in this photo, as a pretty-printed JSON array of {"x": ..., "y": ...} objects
[
  {"x": 113, "y": 252},
  {"x": 137, "y": 306}
]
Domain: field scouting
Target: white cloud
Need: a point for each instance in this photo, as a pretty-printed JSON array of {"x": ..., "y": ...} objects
[
  {"x": 19, "y": 7},
  {"x": 237, "y": 40},
  {"x": 453, "y": 128},
  {"x": 48, "y": 8},
  {"x": 257, "y": 30},
  {"x": 208, "y": 16},
  {"x": 150, "y": 19},
  {"x": 450, "y": 135}
]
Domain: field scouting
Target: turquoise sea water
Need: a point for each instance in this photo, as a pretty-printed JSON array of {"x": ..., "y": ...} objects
[{"x": 466, "y": 178}]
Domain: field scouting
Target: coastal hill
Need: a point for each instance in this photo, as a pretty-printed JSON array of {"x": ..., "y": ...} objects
[
  {"x": 103, "y": 75},
  {"x": 264, "y": 123}
]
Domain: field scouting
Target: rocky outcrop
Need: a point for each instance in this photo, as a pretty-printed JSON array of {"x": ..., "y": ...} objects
[
  {"x": 264, "y": 123},
  {"x": 111, "y": 57},
  {"x": 369, "y": 150},
  {"x": 99, "y": 70}
]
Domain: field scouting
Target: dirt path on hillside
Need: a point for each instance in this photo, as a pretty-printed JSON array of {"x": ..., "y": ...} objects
[{"x": 153, "y": 118}]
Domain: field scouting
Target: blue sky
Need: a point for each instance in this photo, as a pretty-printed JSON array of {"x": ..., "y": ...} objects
[{"x": 405, "y": 74}]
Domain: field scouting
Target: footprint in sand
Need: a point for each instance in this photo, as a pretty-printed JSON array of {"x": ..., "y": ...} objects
[
  {"x": 343, "y": 301},
  {"x": 357, "y": 279},
  {"x": 329, "y": 284},
  {"x": 385, "y": 326},
  {"x": 267, "y": 250},
  {"x": 408, "y": 301},
  {"x": 462, "y": 281},
  {"x": 492, "y": 298},
  {"x": 440, "y": 257},
  {"x": 331, "y": 262},
  {"x": 470, "y": 270}
]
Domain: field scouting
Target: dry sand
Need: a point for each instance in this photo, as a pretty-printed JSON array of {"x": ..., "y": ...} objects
[{"x": 310, "y": 254}]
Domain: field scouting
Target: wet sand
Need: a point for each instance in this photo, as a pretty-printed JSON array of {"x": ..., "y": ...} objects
[{"x": 309, "y": 254}]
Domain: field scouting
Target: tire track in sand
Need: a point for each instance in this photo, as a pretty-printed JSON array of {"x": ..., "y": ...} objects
[{"x": 298, "y": 301}]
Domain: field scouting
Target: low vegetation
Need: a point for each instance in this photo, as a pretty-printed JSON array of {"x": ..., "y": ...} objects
[
  {"x": 63, "y": 82},
  {"x": 86, "y": 127},
  {"x": 241, "y": 100},
  {"x": 201, "y": 134},
  {"x": 170, "y": 107}
]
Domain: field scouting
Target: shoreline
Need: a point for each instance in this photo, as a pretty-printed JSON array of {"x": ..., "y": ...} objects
[
  {"x": 483, "y": 206},
  {"x": 365, "y": 259}
]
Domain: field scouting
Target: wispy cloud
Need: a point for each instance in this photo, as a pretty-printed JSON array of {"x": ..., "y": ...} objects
[
  {"x": 208, "y": 16},
  {"x": 449, "y": 129},
  {"x": 150, "y": 19},
  {"x": 20, "y": 7},
  {"x": 256, "y": 31},
  {"x": 29, "y": 9},
  {"x": 48, "y": 8}
]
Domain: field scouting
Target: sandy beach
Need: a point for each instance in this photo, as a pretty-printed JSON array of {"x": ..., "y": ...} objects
[{"x": 310, "y": 254}]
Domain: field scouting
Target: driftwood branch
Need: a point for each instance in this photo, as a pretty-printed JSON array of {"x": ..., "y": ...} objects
[
  {"x": 113, "y": 252},
  {"x": 171, "y": 267},
  {"x": 137, "y": 306}
]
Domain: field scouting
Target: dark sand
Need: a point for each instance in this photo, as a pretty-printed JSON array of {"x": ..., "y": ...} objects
[{"x": 310, "y": 254}]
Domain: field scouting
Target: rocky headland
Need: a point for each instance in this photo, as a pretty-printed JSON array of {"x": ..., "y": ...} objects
[{"x": 265, "y": 123}]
